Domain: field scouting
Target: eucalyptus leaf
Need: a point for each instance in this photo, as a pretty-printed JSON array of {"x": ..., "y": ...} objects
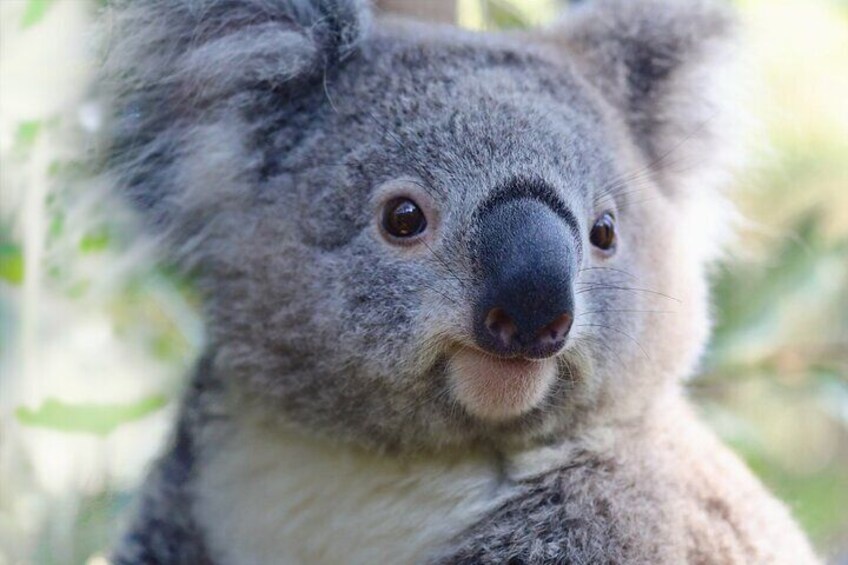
[
  {"x": 95, "y": 242},
  {"x": 96, "y": 419},
  {"x": 35, "y": 11},
  {"x": 27, "y": 133},
  {"x": 11, "y": 264},
  {"x": 504, "y": 15}
]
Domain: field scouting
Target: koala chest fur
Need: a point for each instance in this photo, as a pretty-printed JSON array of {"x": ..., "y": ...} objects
[
  {"x": 272, "y": 498},
  {"x": 613, "y": 496}
]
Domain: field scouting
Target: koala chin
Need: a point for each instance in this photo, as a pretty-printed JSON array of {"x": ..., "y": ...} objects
[{"x": 454, "y": 283}]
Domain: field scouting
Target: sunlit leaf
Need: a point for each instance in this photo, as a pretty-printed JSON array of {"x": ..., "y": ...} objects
[
  {"x": 35, "y": 11},
  {"x": 97, "y": 419},
  {"x": 78, "y": 288},
  {"x": 94, "y": 242},
  {"x": 503, "y": 15},
  {"x": 11, "y": 264},
  {"x": 57, "y": 226},
  {"x": 27, "y": 132}
]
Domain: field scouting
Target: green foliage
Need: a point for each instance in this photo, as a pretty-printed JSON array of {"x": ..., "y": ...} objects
[
  {"x": 95, "y": 241},
  {"x": 503, "y": 15},
  {"x": 11, "y": 263},
  {"x": 97, "y": 419},
  {"x": 35, "y": 12},
  {"x": 27, "y": 133},
  {"x": 752, "y": 298}
]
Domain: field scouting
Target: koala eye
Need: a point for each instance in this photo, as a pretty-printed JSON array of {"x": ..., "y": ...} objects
[
  {"x": 403, "y": 218},
  {"x": 603, "y": 232}
]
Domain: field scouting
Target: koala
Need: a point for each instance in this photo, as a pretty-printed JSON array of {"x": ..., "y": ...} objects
[{"x": 454, "y": 283}]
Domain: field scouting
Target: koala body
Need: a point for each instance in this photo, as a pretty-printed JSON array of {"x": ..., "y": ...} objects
[{"x": 453, "y": 283}]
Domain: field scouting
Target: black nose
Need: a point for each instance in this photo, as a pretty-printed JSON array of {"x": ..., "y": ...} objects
[{"x": 527, "y": 256}]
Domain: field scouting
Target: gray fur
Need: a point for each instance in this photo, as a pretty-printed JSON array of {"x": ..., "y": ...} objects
[
  {"x": 658, "y": 63},
  {"x": 254, "y": 136},
  {"x": 652, "y": 499}
]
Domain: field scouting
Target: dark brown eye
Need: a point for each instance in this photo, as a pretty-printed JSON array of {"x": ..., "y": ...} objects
[
  {"x": 403, "y": 218},
  {"x": 603, "y": 232}
]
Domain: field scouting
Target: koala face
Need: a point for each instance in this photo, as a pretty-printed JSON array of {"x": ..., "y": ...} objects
[{"x": 417, "y": 238}]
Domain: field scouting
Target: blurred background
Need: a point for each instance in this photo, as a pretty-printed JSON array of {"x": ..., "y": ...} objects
[{"x": 95, "y": 337}]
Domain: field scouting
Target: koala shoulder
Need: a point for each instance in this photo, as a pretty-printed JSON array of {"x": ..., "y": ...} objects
[
  {"x": 673, "y": 494},
  {"x": 587, "y": 512}
]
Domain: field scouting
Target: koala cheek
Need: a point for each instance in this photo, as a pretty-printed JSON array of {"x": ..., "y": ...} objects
[{"x": 675, "y": 339}]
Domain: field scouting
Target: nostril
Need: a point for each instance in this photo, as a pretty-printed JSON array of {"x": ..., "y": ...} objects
[
  {"x": 501, "y": 327},
  {"x": 507, "y": 338},
  {"x": 555, "y": 332}
]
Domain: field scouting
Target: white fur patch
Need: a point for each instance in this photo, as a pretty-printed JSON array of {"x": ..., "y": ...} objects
[{"x": 264, "y": 497}]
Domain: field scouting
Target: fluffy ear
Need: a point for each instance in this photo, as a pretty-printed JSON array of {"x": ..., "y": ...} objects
[
  {"x": 210, "y": 47},
  {"x": 663, "y": 64},
  {"x": 171, "y": 66}
]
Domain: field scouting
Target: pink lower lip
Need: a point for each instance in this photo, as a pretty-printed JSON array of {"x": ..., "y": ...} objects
[
  {"x": 494, "y": 388},
  {"x": 515, "y": 367}
]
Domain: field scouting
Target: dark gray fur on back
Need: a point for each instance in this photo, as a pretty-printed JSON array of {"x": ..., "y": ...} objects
[{"x": 258, "y": 140}]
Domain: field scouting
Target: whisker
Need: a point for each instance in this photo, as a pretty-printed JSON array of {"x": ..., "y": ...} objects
[
  {"x": 627, "y": 289},
  {"x": 624, "y": 312},
  {"x": 444, "y": 263},
  {"x": 647, "y": 171},
  {"x": 593, "y": 340},
  {"x": 623, "y": 272},
  {"x": 592, "y": 284},
  {"x": 630, "y": 203},
  {"x": 637, "y": 181},
  {"x": 445, "y": 296},
  {"x": 645, "y": 353},
  {"x": 419, "y": 166}
]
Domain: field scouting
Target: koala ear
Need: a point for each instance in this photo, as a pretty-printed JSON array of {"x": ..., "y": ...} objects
[
  {"x": 662, "y": 64},
  {"x": 206, "y": 48},
  {"x": 171, "y": 70}
]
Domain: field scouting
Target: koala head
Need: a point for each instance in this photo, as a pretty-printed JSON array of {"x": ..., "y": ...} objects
[{"x": 415, "y": 237}]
